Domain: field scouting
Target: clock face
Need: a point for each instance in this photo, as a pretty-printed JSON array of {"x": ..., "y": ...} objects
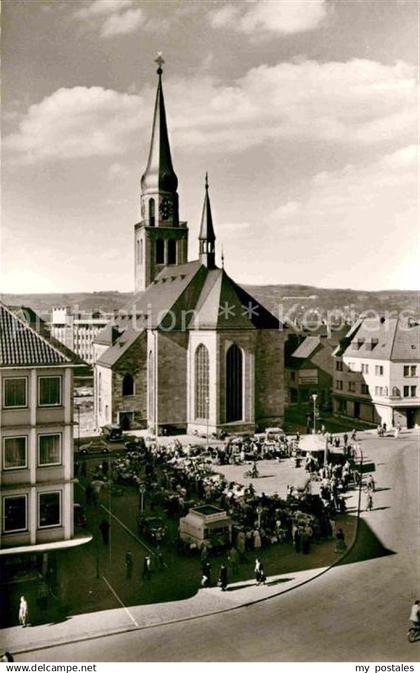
[{"x": 165, "y": 209}]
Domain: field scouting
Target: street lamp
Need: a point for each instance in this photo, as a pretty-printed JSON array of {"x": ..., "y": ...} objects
[
  {"x": 314, "y": 397},
  {"x": 207, "y": 418}
]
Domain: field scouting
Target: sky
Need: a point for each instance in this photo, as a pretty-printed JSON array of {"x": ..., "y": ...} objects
[{"x": 303, "y": 113}]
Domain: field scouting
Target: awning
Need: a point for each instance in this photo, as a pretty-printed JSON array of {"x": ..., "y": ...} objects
[{"x": 75, "y": 541}]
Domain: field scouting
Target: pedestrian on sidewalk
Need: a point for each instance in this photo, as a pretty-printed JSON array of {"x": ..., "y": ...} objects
[
  {"x": 104, "y": 528},
  {"x": 128, "y": 565},
  {"x": 147, "y": 568},
  {"x": 23, "y": 611},
  {"x": 223, "y": 577},
  {"x": 259, "y": 572},
  {"x": 369, "y": 502},
  {"x": 340, "y": 544},
  {"x": 160, "y": 560}
]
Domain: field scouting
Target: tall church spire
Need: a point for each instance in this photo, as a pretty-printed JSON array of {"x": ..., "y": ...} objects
[
  {"x": 159, "y": 180},
  {"x": 160, "y": 239},
  {"x": 207, "y": 236}
]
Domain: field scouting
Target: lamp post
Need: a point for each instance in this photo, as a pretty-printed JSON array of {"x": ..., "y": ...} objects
[
  {"x": 207, "y": 419},
  {"x": 142, "y": 491},
  {"x": 314, "y": 397}
]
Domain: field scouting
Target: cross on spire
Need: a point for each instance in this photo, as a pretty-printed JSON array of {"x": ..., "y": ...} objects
[{"x": 160, "y": 61}]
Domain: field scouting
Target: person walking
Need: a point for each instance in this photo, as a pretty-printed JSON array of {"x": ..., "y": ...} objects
[
  {"x": 369, "y": 502},
  {"x": 147, "y": 568},
  {"x": 223, "y": 577},
  {"x": 104, "y": 528},
  {"x": 340, "y": 544},
  {"x": 206, "y": 578},
  {"x": 128, "y": 565},
  {"x": 23, "y": 611}
]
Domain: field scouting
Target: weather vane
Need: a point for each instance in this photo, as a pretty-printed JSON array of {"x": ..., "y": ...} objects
[{"x": 160, "y": 61}]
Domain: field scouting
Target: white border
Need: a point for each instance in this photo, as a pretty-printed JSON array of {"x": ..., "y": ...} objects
[
  {"x": 53, "y": 376},
  {"x": 15, "y": 530},
  {"x": 18, "y": 406},
  {"x": 20, "y": 467},
  {"x": 49, "y": 434},
  {"x": 53, "y": 525}
]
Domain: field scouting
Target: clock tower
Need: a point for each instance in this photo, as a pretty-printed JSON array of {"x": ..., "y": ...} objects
[{"x": 160, "y": 238}]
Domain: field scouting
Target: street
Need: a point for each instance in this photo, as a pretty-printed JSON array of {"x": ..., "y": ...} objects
[{"x": 356, "y": 611}]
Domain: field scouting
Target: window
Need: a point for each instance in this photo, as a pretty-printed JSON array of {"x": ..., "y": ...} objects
[
  {"x": 365, "y": 389},
  {"x": 14, "y": 514},
  {"x": 49, "y": 450},
  {"x": 201, "y": 382},
  {"x": 379, "y": 391},
  {"x": 379, "y": 370},
  {"x": 293, "y": 376},
  {"x": 14, "y": 453},
  {"x": 128, "y": 385},
  {"x": 410, "y": 391},
  {"x": 339, "y": 365},
  {"x": 160, "y": 251},
  {"x": 234, "y": 379},
  {"x": 171, "y": 252},
  {"x": 365, "y": 368},
  {"x": 152, "y": 212},
  {"x": 352, "y": 387},
  {"x": 339, "y": 385},
  {"x": 49, "y": 509},
  {"x": 49, "y": 391},
  {"x": 15, "y": 392},
  {"x": 410, "y": 370}
]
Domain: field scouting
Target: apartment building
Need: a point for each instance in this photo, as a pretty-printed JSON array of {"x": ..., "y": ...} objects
[
  {"x": 36, "y": 438},
  {"x": 78, "y": 330},
  {"x": 377, "y": 370}
]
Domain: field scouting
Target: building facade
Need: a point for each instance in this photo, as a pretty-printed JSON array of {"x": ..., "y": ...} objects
[
  {"x": 77, "y": 331},
  {"x": 36, "y": 435},
  {"x": 195, "y": 351},
  {"x": 377, "y": 372}
]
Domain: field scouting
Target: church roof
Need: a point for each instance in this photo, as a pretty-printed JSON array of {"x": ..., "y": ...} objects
[
  {"x": 188, "y": 297},
  {"x": 23, "y": 345}
]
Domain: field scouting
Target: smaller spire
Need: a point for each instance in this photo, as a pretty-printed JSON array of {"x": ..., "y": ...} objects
[{"x": 207, "y": 236}]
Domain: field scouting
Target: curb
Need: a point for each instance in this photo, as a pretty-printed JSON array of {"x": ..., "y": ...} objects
[{"x": 115, "y": 632}]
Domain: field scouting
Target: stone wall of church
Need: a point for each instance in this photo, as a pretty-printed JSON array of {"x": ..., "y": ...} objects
[
  {"x": 133, "y": 362},
  {"x": 172, "y": 378},
  {"x": 269, "y": 378}
]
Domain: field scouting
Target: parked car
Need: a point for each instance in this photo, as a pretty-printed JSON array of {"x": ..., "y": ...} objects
[
  {"x": 79, "y": 515},
  {"x": 95, "y": 446},
  {"x": 152, "y": 528},
  {"x": 112, "y": 432},
  {"x": 135, "y": 444}
]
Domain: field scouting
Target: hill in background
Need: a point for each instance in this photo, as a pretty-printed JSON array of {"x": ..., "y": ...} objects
[{"x": 281, "y": 299}]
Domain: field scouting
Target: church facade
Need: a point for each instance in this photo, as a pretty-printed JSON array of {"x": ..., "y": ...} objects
[{"x": 193, "y": 350}]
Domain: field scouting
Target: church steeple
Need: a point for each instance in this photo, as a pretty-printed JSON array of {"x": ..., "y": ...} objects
[
  {"x": 160, "y": 238},
  {"x": 159, "y": 198},
  {"x": 207, "y": 238}
]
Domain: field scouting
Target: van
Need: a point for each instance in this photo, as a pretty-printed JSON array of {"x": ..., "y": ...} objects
[{"x": 113, "y": 433}]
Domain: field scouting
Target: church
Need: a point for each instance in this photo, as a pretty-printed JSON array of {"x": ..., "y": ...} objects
[{"x": 193, "y": 351}]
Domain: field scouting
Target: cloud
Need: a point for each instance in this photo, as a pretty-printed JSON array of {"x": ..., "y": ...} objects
[
  {"x": 76, "y": 123},
  {"x": 265, "y": 17},
  {"x": 116, "y": 17},
  {"x": 359, "y": 202},
  {"x": 120, "y": 24},
  {"x": 358, "y": 102},
  {"x": 102, "y": 7}
]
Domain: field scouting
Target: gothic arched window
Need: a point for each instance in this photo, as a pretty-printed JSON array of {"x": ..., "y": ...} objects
[
  {"x": 201, "y": 382},
  {"x": 171, "y": 251},
  {"x": 152, "y": 212},
  {"x": 160, "y": 251},
  {"x": 127, "y": 385},
  {"x": 234, "y": 382}
]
